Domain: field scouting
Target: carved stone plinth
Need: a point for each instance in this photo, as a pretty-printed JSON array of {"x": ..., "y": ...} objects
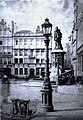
[{"x": 20, "y": 107}]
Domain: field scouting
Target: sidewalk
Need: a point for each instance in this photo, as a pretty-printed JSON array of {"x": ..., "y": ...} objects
[{"x": 60, "y": 115}]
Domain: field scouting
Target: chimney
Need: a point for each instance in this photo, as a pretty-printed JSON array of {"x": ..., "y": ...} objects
[
  {"x": 12, "y": 28},
  {"x": 2, "y": 21},
  {"x": 16, "y": 28}
]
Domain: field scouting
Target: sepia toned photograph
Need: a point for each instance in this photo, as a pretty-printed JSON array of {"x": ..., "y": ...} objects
[{"x": 41, "y": 59}]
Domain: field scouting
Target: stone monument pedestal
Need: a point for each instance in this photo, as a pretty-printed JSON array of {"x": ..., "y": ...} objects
[
  {"x": 57, "y": 66},
  {"x": 54, "y": 75}
]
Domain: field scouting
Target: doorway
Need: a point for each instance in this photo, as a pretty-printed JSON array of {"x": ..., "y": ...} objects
[{"x": 31, "y": 73}]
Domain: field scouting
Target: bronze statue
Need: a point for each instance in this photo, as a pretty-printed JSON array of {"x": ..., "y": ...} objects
[{"x": 58, "y": 37}]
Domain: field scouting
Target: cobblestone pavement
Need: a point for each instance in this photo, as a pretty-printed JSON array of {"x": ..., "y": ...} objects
[
  {"x": 68, "y": 114},
  {"x": 60, "y": 115},
  {"x": 68, "y": 103}
]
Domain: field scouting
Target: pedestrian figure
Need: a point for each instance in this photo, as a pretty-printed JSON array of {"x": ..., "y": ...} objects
[
  {"x": 58, "y": 37},
  {"x": 5, "y": 89}
]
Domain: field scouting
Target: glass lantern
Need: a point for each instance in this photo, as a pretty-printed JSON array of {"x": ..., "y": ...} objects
[{"x": 47, "y": 28}]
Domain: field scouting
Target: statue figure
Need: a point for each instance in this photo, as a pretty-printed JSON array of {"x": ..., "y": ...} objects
[{"x": 58, "y": 37}]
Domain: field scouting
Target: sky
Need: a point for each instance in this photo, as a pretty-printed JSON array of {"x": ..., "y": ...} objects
[{"x": 29, "y": 13}]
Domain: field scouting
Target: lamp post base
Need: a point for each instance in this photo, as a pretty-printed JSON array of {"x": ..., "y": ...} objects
[
  {"x": 48, "y": 108},
  {"x": 47, "y": 98}
]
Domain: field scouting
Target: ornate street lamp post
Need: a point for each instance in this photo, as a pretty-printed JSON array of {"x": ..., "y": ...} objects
[{"x": 47, "y": 89}]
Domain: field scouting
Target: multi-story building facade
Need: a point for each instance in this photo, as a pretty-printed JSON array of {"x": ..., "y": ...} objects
[
  {"x": 6, "y": 44},
  {"x": 77, "y": 39},
  {"x": 67, "y": 56},
  {"x": 74, "y": 41},
  {"x": 29, "y": 54},
  {"x": 80, "y": 40}
]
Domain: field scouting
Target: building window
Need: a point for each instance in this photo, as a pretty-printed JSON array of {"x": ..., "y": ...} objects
[
  {"x": 31, "y": 41},
  {"x": 16, "y": 42},
  {"x": 20, "y": 41},
  {"x": 25, "y": 41},
  {"x": 42, "y": 41},
  {"x": 42, "y": 72},
  {"x": 9, "y": 61},
  {"x": 16, "y": 53},
  {"x": 31, "y": 53},
  {"x": 82, "y": 60},
  {"x": 9, "y": 52},
  {"x": 0, "y": 61},
  {"x": 42, "y": 60},
  {"x": 5, "y": 61},
  {"x": 37, "y": 40},
  {"x": 37, "y": 60},
  {"x": 9, "y": 70},
  {"x": 16, "y": 71},
  {"x": 21, "y": 71},
  {"x": 25, "y": 60},
  {"x": 37, "y": 52},
  {"x": 25, "y": 53},
  {"x": 16, "y": 60},
  {"x": 37, "y": 71},
  {"x": 42, "y": 52},
  {"x": 0, "y": 31},
  {"x": 0, "y": 42},
  {"x": 78, "y": 62},
  {"x": 20, "y": 53},
  {"x": 20, "y": 60},
  {"x": 31, "y": 61},
  {"x": 25, "y": 71}
]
